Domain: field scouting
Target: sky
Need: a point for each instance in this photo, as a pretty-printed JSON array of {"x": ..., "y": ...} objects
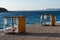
[{"x": 29, "y": 4}]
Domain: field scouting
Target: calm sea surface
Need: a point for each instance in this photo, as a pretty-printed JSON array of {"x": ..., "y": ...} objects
[{"x": 32, "y": 17}]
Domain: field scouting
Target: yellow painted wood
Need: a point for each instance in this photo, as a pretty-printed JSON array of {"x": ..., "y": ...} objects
[
  {"x": 52, "y": 19},
  {"x": 21, "y": 24}
]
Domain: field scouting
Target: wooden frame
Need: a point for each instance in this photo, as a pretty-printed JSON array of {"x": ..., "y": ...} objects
[{"x": 21, "y": 24}]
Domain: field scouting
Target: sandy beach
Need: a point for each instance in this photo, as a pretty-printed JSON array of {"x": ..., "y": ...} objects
[{"x": 35, "y": 32}]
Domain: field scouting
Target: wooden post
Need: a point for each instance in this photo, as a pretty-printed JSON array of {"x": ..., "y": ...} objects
[
  {"x": 12, "y": 24},
  {"x": 17, "y": 24},
  {"x": 21, "y": 24},
  {"x": 40, "y": 20},
  {"x": 45, "y": 17},
  {"x": 52, "y": 19},
  {"x": 5, "y": 22}
]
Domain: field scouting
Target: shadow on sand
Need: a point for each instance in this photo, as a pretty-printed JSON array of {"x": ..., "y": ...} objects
[
  {"x": 36, "y": 34},
  {"x": 51, "y": 25}
]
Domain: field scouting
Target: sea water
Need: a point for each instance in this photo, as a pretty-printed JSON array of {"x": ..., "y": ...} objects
[{"x": 32, "y": 17}]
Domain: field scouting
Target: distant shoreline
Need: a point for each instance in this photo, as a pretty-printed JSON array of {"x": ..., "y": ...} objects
[{"x": 3, "y": 9}]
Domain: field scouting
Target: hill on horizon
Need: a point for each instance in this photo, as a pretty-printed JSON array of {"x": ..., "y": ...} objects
[{"x": 3, "y": 9}]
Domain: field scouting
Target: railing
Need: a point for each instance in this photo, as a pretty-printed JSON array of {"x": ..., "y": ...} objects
[
  {"x": 52, "y": 19},
  {"x": 21, "y": 22}
]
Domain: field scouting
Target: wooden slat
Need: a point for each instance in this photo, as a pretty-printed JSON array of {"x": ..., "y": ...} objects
[
  {"x": 21, "y": 25},
  {"x": 12, "y": 19},
  {"x": 52, "y": 19},
  {"x": 5, "y": 25}
]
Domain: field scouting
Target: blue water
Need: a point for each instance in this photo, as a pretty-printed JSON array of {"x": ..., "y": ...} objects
[{"x": 32, "y": 17}]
